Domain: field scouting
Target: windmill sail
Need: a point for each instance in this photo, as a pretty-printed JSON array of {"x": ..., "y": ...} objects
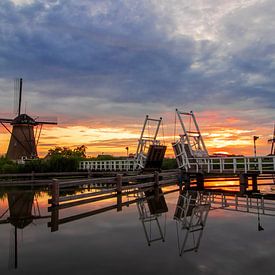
[{"x": 18, "y": 85}]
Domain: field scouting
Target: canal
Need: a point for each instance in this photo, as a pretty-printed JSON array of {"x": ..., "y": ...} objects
[{"x": 121, "y": 242}]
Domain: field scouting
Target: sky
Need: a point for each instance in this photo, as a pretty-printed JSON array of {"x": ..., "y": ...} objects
[{"x": 100, "y": 66}]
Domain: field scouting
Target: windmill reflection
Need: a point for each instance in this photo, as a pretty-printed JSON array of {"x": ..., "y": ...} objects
[
  {"x": 151, "y": 206},
  {"x": 20, "y": 208},
  {"x": 190, "y": 215},
  {"x": 23, "y": 209}
]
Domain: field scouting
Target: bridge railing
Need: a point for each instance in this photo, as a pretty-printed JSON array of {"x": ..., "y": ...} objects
[
  {"x": 109, "y": 165},
  {"x": 261, "y": 164}
]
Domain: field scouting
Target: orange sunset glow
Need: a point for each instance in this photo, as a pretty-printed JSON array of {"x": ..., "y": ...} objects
[{"x": 113, "y": 140}]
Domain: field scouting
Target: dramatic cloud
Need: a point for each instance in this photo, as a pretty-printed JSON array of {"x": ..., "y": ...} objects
[{"x": 99, "y": 59}]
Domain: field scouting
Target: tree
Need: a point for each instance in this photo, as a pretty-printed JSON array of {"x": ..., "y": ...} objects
[
  {"x": 78, "y": 152},
  {"x": 64, "y": 159}
]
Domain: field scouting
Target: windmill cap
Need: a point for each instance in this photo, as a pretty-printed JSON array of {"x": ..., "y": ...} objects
[{"x": 24, "y": 119}]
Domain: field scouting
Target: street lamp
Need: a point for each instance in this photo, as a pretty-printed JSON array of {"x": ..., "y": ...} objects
[
  {"x": 254, "y": 139},
  {"x": 127, "y": 149}
]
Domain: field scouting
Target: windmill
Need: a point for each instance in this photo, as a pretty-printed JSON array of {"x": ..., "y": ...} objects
[
  {"x": 272, "y": 141},
  {"x": 24, "y": 140}
]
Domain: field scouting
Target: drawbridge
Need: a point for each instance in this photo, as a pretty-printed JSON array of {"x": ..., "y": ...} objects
[
  {"x": 149, "y": 154},
  {"x": 192, "y": 156},
  {"x": 190, "y": 152}
]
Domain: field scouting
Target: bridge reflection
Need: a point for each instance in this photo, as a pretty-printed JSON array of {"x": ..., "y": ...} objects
[{"x": 190, "y": 212}]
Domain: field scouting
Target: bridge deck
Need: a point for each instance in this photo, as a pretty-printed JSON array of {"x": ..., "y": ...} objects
[
  {"x": 234, "y": 165},
  {"x": 209, "y": 165},
  {"x": 109, "y": 165}
]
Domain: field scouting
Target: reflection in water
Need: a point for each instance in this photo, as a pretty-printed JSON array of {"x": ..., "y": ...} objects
[
  {"x": 152, "y": 201},
  {"x": 23, "y": 209},
  {"x": 20, "y": 207},
  {"x": 190, "y": 215},
  {"x": 150, "y": 211}
]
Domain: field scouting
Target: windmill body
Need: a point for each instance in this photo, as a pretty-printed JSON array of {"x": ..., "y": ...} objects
[{"x": 23, "y": 141}]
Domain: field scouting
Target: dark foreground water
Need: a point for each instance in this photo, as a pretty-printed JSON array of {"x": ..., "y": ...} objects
[{"x": 115, "y": 243}]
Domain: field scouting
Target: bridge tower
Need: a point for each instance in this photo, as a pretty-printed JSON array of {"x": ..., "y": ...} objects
[
  {"x": 150, "y": 152},
  {"x": 190, "y": 145}
]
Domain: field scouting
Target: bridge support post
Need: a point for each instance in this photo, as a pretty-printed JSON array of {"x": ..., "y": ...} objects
[
  {"x": 187, "y": 180},
  {"x": 119, "y": 191},
  {"x": 180, "y": 179},
  {"x": 255, "y": 183},
  {"x": 156, "y": 185},
  {"x": 243, "y": 179},
  {"x": 200, "y": 181}
]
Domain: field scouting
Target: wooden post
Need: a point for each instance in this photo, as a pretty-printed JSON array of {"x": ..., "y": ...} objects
[
  {"x": 156, "y": 185},
  {"x": 119, "y": 202},
  {"x": 89, "y": 173},
  {"x": 119, "y": 191},
  {"x": 32, "y": 176},
  {"x": 89, "y": 177},
  {"x": 55, "y": 192},
  {"x": 243, "y": 178},
  {"x": 54, "y": 219}
]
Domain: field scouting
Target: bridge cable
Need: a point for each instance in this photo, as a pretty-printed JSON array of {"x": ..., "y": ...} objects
[
  {"x": 162, "y": 128},
  {"x": 175, "y": 126}
]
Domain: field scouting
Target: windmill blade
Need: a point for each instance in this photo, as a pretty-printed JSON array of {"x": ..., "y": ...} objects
[
  {"x": 5, "y": 120},
  {"x": 15, "y": 96},
  {"x": 46, "y": 120},
  {"x": 18, "y": 84}
]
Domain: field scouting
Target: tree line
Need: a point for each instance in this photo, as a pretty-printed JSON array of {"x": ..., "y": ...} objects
[{"x": 61, "y": 159}]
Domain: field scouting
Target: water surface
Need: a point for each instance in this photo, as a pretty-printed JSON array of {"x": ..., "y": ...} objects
[{"x": 115, "y": 242}]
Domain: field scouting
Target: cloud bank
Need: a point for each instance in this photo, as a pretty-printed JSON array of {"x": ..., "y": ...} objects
[{"x": 127, "y": 58}]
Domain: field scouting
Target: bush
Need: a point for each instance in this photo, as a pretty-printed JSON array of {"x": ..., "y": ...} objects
[
  {"x": 35, "y": 165},
  {"x": 62, "y": 164},
  {"x": 7, "y": 166}
]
